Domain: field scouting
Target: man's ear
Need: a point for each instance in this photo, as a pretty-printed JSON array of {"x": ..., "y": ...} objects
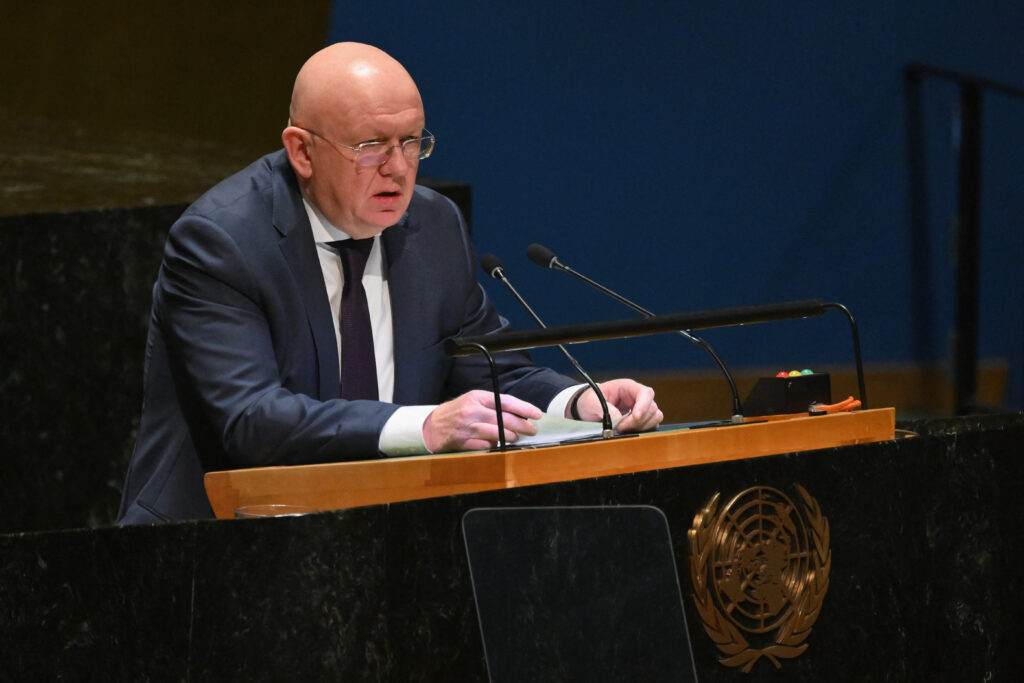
[{"x": 296, "y": 145}]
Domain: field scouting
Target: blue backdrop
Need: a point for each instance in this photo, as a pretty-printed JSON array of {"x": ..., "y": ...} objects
[{"x": 697, "y": 155}]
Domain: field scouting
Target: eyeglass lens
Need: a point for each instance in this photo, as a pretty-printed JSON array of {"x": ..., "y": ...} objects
[{"x": 375, "y": 154}]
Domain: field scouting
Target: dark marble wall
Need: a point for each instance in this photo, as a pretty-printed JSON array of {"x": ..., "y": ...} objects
[
  {"x": 74, "y": 303},
  {"x": 927, "y": 538}
]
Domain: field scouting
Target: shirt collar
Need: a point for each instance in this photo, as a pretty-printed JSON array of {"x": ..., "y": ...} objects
[{"x": 323, "y": 230}]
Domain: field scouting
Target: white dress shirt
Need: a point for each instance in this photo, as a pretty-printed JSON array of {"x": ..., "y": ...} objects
[{"x": 403, "y": 432}]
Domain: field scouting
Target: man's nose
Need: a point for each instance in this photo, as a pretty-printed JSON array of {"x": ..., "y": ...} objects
[{"x": 396, "y": 163}]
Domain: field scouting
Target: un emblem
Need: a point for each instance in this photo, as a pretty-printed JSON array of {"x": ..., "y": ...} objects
[{"x": 760, "y": 568}]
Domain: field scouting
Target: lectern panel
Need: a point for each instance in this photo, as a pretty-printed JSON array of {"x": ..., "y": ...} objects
[{"x": 590, "y": 592}]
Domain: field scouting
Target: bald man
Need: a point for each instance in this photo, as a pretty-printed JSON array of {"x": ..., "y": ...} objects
[{"x": 245, "y": 361}]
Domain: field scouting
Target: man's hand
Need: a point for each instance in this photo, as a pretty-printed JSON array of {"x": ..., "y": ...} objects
[
  {"x": 470, "y": 423},
  {"x": 623, "y": 396}
]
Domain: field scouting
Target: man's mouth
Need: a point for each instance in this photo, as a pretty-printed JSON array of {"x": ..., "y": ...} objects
[{"x": 388, "y": 198}]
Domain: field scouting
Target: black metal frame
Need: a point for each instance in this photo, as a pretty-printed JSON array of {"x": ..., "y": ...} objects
[
  {"x": 639, "y": 327},
  {"x": 965, "y": 335}
]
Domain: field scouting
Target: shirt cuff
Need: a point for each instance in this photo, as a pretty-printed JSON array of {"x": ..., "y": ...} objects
[
  {"x": 403, "y": 432},
  {"x": 561, "y": 400}
]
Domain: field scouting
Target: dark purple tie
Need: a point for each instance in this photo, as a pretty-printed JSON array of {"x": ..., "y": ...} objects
[{"x": 358, "y": 365}]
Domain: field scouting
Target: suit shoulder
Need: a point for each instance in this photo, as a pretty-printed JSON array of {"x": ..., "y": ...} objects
[
  {"x": 249, "y": 190},
  {"x": 432, "y": 206},
  {"x": 429, "y": 197}
]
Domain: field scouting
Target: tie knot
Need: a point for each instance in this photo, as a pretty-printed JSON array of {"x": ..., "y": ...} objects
[{"x": 353, "y": 255}]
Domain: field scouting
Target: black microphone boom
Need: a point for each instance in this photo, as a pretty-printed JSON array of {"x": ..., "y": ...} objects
[
  {"x": 492, "y": 266},
  {"x": 546, "y": 258}
]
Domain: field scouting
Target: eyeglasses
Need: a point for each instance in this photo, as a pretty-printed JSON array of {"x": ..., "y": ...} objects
[{"x": 377, "y": 153}]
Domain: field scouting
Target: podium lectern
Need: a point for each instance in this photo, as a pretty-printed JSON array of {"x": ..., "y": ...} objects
[
  {"x": 350, "y": 484},
  {"x": 916, "y": 583}
]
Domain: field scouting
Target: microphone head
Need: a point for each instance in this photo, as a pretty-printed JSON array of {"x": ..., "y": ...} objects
[
  {"x": 492, "y": 265},
  {"x": 542, "y": 256}
]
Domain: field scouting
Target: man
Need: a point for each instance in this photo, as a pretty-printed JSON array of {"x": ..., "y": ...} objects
[{"x": 243, "y": 366}]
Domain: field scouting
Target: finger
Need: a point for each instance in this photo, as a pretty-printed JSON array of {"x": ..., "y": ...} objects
[
  {"x": 643, "y": 398},
  {"x": 627, "y": 424},
  {"x": 590, "y": 408},
  {"x": 512, "y": 421},
  {"x": 516, "y": 406},
  {"x": 476, "y": 445},
  {"x": 518, "y": 424},
  {"x": 653, "y": 421},
  {"x": 621, "y": 392},
  {"x": 636, "y": 422},
  {"x": 647, "y": 414},
  {"x": 489, "y": 434}
]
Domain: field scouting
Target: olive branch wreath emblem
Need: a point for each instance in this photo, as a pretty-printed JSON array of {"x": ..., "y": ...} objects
[{"x": 804, "y": 601}]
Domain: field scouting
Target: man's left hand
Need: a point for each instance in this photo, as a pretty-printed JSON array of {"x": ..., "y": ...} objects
[{"x": 625, "y": 397}]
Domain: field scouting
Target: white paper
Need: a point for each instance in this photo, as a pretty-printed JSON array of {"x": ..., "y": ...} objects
[{"x": 552, "y": 429}]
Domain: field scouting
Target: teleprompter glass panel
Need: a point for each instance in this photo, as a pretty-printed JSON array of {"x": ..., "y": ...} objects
[{"x": 577, "y": 594}]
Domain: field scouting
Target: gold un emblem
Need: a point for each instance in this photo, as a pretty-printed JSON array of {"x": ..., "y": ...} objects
[{"x": 760, "y": 570}]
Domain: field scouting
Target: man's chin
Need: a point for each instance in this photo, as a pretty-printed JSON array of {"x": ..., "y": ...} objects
[
  {"x": 380, "y": 223},
  {"x": 365, "y": 232}
]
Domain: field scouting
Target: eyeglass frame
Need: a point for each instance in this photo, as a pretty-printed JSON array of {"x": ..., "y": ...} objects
[{"x": 358, "y": 149}]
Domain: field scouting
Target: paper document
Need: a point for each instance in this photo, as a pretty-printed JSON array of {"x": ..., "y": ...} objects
[{"x": 552, "y": 429}]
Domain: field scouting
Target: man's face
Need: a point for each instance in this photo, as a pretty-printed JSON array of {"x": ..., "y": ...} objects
[{"x": 364, "y": 200}]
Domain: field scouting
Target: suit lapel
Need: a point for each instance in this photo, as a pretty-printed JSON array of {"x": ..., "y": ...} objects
[
  {"x": 299, "y": 251},
  {"x": 403, "y": 278}
]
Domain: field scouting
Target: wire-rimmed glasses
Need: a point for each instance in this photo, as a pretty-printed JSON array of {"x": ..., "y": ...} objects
[{"x": 376, "y": 153}]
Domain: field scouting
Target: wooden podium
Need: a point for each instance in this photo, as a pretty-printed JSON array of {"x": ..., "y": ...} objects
[
  {"x": 926, "y": 538},
  {"x": 339, "y": 485}
]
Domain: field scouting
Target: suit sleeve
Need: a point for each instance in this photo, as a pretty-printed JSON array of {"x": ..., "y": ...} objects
[{"x": 228, "y": 360}]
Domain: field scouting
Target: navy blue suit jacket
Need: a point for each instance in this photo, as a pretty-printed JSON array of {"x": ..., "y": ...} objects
[{"x": 241, "y": 359}]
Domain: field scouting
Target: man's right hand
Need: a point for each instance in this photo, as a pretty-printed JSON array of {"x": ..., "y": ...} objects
[{"x": 470, "y": 422}]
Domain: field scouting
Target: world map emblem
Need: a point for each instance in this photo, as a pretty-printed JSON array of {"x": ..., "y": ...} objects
[{"x": 760, "y": 570}]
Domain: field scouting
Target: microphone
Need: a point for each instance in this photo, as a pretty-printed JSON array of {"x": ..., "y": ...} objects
[
  {"x": 492, "y": 266},
  {"x": 545, "y": 258}
]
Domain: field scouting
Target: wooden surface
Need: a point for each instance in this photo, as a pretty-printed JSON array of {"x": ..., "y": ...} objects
[{"x": 350, "y": 484}]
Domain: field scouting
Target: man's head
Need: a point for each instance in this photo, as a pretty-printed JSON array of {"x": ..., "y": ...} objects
[{"x": 345, "y": 95}]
